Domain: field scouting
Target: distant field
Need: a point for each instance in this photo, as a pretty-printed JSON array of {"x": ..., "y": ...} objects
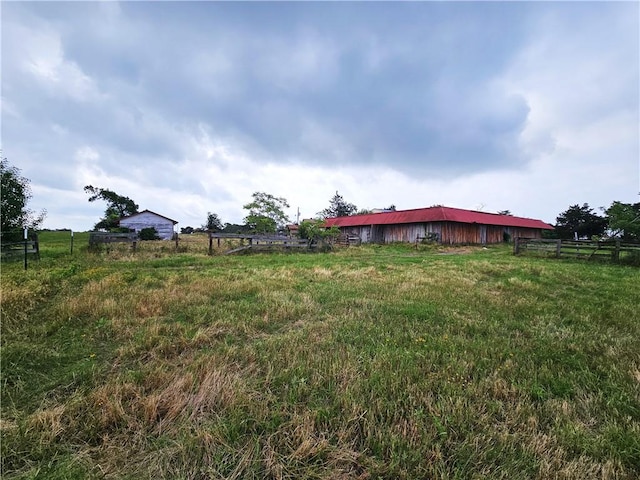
[{"x": 370, "y": 362}]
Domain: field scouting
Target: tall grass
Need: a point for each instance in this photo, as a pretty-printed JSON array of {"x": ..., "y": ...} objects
[{"x": 370, "y": 362}]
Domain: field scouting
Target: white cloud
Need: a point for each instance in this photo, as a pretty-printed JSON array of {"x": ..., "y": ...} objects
[
  {"x": 194, "y": 110},
  {"x": 44, "y": 59}
]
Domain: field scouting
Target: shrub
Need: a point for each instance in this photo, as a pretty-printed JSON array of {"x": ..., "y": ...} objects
[
  {"x": 315, "y": 231},
  {"x": 633, "y": 258},
  {"x": 149, "y": 233}
]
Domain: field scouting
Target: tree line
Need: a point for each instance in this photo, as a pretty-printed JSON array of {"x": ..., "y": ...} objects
[
  {"x": 619, "y": 220},
  {"x": 266, "y": 213}
]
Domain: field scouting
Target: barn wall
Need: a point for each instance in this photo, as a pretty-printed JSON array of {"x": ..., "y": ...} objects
[
  {"x": 457, "y": 233},
  {"x": 486, "y": 234},
  {"x": 470, "y": 233},
  {"x": 364, "y": 232},
  {"x": 525, "y": 232},
  {"x": 146, "y": 220},
  {"x": 403, "y": 233},
  {"x": 449, "y": 233}
]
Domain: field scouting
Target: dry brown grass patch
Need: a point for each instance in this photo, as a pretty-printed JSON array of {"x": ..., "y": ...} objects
[
  {"x": 165, "y": 400},
  {"x": 112, "y": 404},
  {"x": 298, "y": 448},
  {"x": 18, "y": 301},
  {"x": 49, "y": 423}
]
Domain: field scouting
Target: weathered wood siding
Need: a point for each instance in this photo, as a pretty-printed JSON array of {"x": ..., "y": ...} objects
[
  {"x": 523, "y": 232},
  {"x": 407, "y": 233},
  {"x": 364, "y": 232},
  {"x": 477, "y": 234},
  {"x": 163, "y": 226},
  {"x": 449, "y": 233}
]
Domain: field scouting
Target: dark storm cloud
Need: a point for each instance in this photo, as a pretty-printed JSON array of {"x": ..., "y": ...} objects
[
  {"x": 185, "y": 103},
  {"x": 415, "y": 86},
  {"x": 407, "y": 85}
]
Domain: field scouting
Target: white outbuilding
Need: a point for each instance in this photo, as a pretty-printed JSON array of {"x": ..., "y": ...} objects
[{"x": 146, "y": 219}]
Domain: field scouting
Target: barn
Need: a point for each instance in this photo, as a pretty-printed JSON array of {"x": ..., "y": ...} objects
[
  {"x": 450, "y": 226},
  {"x": 146, "y": 219}
]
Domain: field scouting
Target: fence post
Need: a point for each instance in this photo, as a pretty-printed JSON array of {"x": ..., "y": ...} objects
[
  {"x": 616, "y": 252},
  {"x": 558, "y": 247},
  {"x": 211, "y": 244},
  {"x": 26, "y": 231},
  {"x": 71, "y": 242},
  {"x": 516, "y": 246}
]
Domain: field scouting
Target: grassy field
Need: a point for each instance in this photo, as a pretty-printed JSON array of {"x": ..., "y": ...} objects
[{"x": 381, "y": 362}]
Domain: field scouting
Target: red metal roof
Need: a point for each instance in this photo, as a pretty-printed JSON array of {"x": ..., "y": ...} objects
[{"x": 436, "y": 214}]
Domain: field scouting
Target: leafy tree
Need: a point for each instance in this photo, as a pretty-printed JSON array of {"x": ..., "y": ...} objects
[
  {"x": 624, "y": 220},
  {"x": 118, "y": 206},
  {"x": 214, "y": 224},
  {"x": 338, "y": 207},
  {"x": 315, "y": 231},
  {"x": 235, "y": 228},
  {"x": 580, "y": 220},
  {"x": 266, "y": 213},
  {"x": 187, "y": 230},
  {"x": 15, "y": 193}
]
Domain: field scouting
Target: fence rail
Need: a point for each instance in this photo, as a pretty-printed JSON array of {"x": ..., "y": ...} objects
[
  {"x": 612, "y": 249},
  {"x": 18, "y": 249},
  {"x": 256, "y": 241},
  {"x": 99, "y": 238},
  {"x": 348, "y": 239},
  {"x": 14, "y": 244}
]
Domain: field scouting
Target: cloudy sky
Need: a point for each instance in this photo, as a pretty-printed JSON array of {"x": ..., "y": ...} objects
[{"x": 191, "y": 107}]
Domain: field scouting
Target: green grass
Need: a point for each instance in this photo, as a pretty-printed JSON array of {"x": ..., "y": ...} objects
[{"x": 369, "y": 362}]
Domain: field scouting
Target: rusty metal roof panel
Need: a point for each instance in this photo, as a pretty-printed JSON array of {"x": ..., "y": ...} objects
[{"x": 437, "y": 214}]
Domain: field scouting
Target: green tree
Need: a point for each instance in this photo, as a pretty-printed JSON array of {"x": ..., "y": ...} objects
[
  {"x": 624, "y": 220},
  {"x": 266, "y": 213},
  {"x": 235, "y": 228},
  {"x": 315, "y": 231},
  {"x": 15, "y": 193},
  {"x": 338, "y": 207},
  {"x": 118, "y": 207},
  {"x": 580, "y": 221},
  {"x": 213, "y": 224}
]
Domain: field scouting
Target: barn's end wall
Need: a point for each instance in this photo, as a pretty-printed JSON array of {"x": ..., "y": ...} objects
[{"x": 163, "y": 226}]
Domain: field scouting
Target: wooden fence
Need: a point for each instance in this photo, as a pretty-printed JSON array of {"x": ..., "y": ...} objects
[
  {"x": 348, "y": 239},
  {"x": 607, "y": 249},
  {"x": 258, "y": 242},
  {"x": 101, "y": 238},
  {"x": 13, "y": 250}
]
